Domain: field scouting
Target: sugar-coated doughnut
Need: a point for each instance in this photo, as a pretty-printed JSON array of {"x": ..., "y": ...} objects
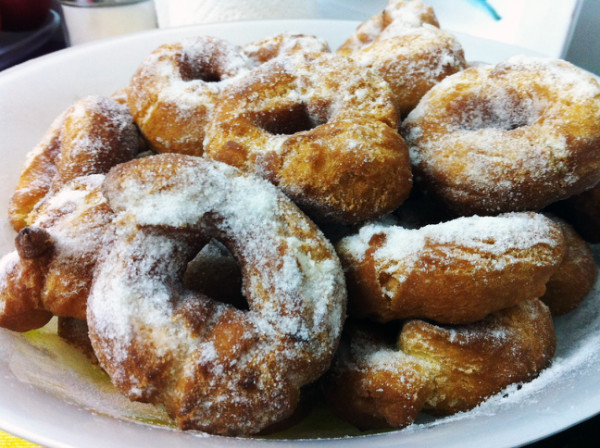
[
  {"x": 173, "y": 92},
  {"x": 515, "y": 136},
  {"x": 407, "y": 14},
  {"x": 285, "y": 44},
  {"x": 90, "y": 137},
  {"x": 321, "y": 129},
  {"x": 377, "y": 383},
  {"x": 405, "y": 46},
  {"x": 215, "y": 368},
  {"x": 575, "y": 276},
  {"x": 453, "y": 272},
  {"x": 51, "y": 271}
]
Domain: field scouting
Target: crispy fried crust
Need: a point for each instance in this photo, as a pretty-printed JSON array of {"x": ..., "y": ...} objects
[
  {"x": 404, "y": 45},
  {"x": 174, "y": 90},
  {"x": 36, "y": 284},
  {"x": 441, "y": 370},
  {"x": 90, "y": 137},
  {"x": 454, "y": 272},
  {"x": 516, "y": 136},
  {"x": 216, "y": 368},
  {"x": 284, "y": 45},
  {"x": 22, "y": 284},
  {"x": 575, "y": 276},
  {"x": 320, "y": 128},
  {"x": 409, "y": 14}
]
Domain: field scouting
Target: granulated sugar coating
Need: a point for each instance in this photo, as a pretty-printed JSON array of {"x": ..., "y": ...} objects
[
  {"x": 90, "y": 137},
  {"x": 453, "y": 272},
  {"x": 175, "y": 89},
  {"x": 509, "y": 137},
  {"x": 284, "y": 45},
  {"x": 436, "y": 368},
  {"x": 216, "y": 368},
  {"x": 320, "y": 128}
]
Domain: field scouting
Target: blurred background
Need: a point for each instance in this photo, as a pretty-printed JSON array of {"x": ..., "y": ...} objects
[{"x": 558, "y": 28}]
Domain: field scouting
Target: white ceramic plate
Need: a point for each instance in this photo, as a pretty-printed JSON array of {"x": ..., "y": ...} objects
[{"x": 50, "y": 395}]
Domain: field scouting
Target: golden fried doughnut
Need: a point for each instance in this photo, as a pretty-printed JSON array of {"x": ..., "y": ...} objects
[
  {"x": 284, "y": 45},
  {"x": 515, "y": 136},
  {"x": 51, "y": 271},
  {"x": 90, "y": 137},
  {"x": 575, "y": 276},
  {"x": 404, "y": 45},
  {"x": 399, "y": 13},
  {"x": 454, "y": 272},
  {"x": 441, "y": 370},
  {"x": 321, "y": 129},
  {"x": 173, "y": 92},
  {"x": 216, "y": 368}
]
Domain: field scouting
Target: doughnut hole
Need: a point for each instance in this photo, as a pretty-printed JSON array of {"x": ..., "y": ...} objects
[
  {"x": 207, "y": 68},
  {"x": 503, "y": 111},
  {"x": 216, "y": 273},
  {"x": 297, "y": 121},
  {"x": 202, "y": 72},
  {"x": 287, "y": 121}
]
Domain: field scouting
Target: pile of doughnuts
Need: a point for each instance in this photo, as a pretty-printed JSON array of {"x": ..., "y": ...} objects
[{"x": 385, "y": 221}]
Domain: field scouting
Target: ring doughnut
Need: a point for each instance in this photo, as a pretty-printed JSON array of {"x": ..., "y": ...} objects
[
  {"x": 173, "y": 92},
  {"x": 214, "y": 367},
  {"x": 454, "y": 272},
  {"x": 284, "y": 45},
  {"x": 321, "y": 129},
  {"x": 516, "y": 136},
  {"x": 51, "y": 271},
  {"x": 409, "y": 14},
  {"x": 575, "y": 276},
  {"x": 374, "y": 383},
  {"x": 405, "y": 46},
  {"x": 90, "y": 137}
]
